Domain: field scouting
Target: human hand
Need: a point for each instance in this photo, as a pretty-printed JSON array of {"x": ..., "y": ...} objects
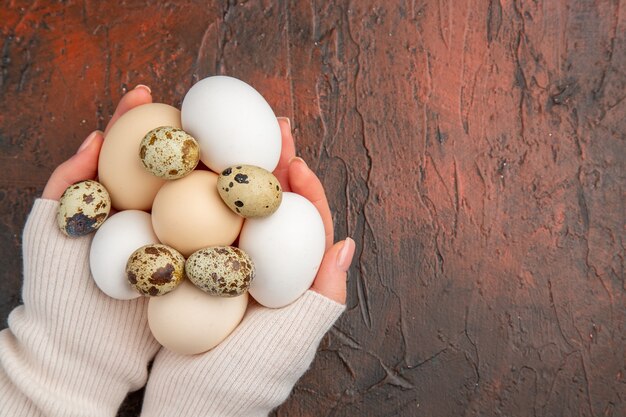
[
  {"x": 255, "y": 368},
  {"x": 70, "y": 347},
  {"x": 294, "y": 175},
  {"x": 292, "y": 172}
]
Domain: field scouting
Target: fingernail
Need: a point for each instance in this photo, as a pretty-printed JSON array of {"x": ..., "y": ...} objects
[
  {"x": 145, "y": 87},
  {"x": 344, "y": 257},
  {"x": 88, "y": 141},
  {"x": 286, "y": 119},
  {"x": 297, "y": 158}
]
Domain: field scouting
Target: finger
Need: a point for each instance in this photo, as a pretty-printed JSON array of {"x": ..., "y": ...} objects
[
  {"x": 287, "y": 151},
  {"x": 331, "y": 277},
  {"x": 303, "y": 181},
  {"x": 82, "y": 166},
  {"x": 135, "y": 97}
]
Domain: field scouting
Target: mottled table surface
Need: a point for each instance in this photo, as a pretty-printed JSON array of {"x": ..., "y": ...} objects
[{"x": 473, "y": 149}]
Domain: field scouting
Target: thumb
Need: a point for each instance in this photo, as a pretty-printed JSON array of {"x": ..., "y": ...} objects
[
  {"x": 331, "y": 277},
  {"x": 82, "y": 166}
]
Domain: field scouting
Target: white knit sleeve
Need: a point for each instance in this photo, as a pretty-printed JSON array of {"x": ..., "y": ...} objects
[
  {"x": 251, "y": 372},
  {"x": 70, "y": 350}
]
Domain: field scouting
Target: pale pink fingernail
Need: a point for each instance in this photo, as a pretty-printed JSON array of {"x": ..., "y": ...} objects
[
  {"x": 145, "y": 87},
  {"x": 297, "y": 158},
  {"x": 88, "y": 141},
  {"x": 344, "y": 257},
  {"x": 286, "y": 119}
]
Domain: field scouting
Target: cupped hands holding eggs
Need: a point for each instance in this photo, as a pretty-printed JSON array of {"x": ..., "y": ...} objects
[{"x": 226, "y": 229}]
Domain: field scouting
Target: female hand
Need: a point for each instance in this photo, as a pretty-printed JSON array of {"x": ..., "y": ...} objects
[
  {"x": 70, "y": 349},
  {"x": 294, "y": 175},
  {"x": 292, "y": 172},
  {"x": 255, "y": 368}
]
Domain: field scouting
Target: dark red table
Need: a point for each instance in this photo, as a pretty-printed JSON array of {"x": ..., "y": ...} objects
[{"x": 473, "y": 149}]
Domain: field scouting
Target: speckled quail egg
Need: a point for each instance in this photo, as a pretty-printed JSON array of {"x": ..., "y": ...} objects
[
  {"x": 249, "y": 191},
  {"x": 83, "y": 208},
  {"x": 169, "y": 152},
  {"x": 155, "y": 269},
  {"x": 225, "y": 271}
]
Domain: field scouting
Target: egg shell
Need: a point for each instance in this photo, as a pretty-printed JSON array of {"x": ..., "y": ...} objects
[
  {"x": 188, "y": 214},
  {"x": 286, "y": 248},
  {"x": 120, "y": 169},
  {"x": 250, "y": 191},
  {"x": 225, "y": 271},
  {"x": 189, "y": 321},
  {"x": 154, "y": 270},
  {"x": 113, "y": 243},
  {"x": 232, "y": 123},
  {"x": 169, "y": 152},
  {"x": 83, "y": 207}
]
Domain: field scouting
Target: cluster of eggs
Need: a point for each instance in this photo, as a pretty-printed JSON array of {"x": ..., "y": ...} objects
[{"x": 197, "y": 239}]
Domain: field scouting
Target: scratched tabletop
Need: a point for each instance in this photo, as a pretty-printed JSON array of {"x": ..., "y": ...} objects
[{"x": 473, "y": 149}]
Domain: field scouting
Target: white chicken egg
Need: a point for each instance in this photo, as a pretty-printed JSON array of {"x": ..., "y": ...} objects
[
  {"x": 113, "y": 243},
  {"x": 287, "y": 248},
  {"x": 232, "y": 123}
]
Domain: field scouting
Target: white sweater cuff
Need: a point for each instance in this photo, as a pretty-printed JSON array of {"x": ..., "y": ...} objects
[{"x": 70, "y": 350}]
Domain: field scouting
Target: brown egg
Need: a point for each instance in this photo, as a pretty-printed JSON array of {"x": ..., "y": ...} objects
[
  {"x": 189, "y": 321},
  {"x": 155, "y": 269},
  {"x": 120, "y": 169},
  {"x": 188, "y": 214}
]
